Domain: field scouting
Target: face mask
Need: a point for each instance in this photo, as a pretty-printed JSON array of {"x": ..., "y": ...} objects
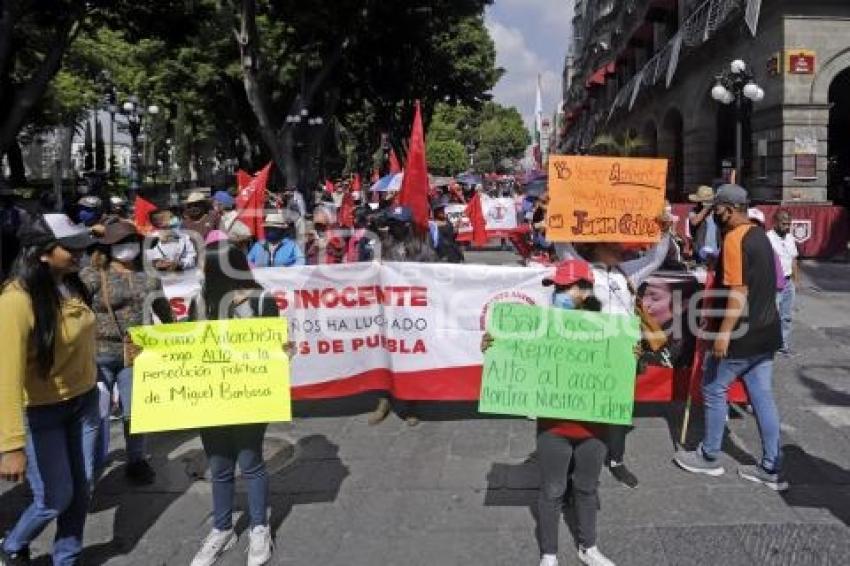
[
  {"x": 88, "y": 216},
  {"x": 563, "y": 301},
  {"x": 174, "y": 224},
  {"x": 125, "y": 252},
  {"x": 274, "y": 235}
]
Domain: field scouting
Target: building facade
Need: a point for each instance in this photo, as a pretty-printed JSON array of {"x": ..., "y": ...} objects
[{"x": 646, "y": 68}]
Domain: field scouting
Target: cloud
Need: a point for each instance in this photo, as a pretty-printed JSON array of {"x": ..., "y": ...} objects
[{"x": 522, "y": 65}]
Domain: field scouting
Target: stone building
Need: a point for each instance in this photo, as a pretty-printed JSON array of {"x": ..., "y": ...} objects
[{"x": 646, "y": 68}]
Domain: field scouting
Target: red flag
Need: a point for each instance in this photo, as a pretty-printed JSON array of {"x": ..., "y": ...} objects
[
  {"x": 242, "y": 179},
  {"x": 251, "y": 202},
  {"x": 415, "y": 186},
  {"x": 345, "y": 216},
  {"x": 143, "y": 208},
  {"x": 329, "y": 186},
  {"x": 475, "y": 213},
  {"x": 356, "y": 185},
  {"x": 395, "y": 166}
]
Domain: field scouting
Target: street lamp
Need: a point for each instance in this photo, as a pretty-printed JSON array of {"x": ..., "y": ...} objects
[
  {"x": 299, "y": 118},
  {"x": 736, "y": 85},
  {"x": 135, "y": 112}
]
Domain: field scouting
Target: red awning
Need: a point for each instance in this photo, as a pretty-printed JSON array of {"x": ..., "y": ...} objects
[{"x": 598, "y": 77}]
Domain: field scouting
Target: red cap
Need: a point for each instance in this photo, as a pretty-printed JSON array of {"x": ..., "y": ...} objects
[{"x": 569, "y": 272}]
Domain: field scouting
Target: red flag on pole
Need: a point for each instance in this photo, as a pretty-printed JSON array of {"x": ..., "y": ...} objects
[
  {"x": 395, "y": 166},
  {"x": 475, "y": 213},
  {"x": 415, "y": 186},
  {"x": 345, "y": 217},
  {"x": 242, "y": 179},
  {"x": 356, "y": 185},
  {"x": 251, "y": 202},
  {"x": 141, "y": 214}
]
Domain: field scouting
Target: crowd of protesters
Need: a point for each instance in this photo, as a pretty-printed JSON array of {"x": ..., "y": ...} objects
[{"x": 65, "y": 318}]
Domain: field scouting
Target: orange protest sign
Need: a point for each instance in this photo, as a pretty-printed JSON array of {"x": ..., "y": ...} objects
[{"x": 605, "y": 199}]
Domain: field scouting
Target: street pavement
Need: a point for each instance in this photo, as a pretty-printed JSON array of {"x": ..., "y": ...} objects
[{"x": 460, "y": 489}]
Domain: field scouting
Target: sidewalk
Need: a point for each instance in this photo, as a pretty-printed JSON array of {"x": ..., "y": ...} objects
[{"x": 461, "y": 489}]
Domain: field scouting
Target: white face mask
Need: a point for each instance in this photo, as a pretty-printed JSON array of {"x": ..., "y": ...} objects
[{"x": 125, "y": 252}]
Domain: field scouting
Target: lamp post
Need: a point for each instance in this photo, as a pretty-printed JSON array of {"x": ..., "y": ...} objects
[
  {"x": 135, "y": 112},
  {"x": 736, "y": 85},
  {"x": 303, "y": 119}
]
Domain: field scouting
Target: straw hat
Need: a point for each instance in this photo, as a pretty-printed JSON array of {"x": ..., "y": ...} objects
[
  {"x": 703, "y": 194},
  {"x": 196, "y": 196}
]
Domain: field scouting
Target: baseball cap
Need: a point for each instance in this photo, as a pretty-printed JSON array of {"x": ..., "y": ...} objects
[
  {"x": 48, "y": 229},
  {"x": 90, "y": 201},
  {"x": 224, "y": 198},
  {"x": 756, "y": 214},
  {"x": 117, "y": 232},
  {"x": 569, "y": 272},
  {"x": 400, "y": 214},
  {"x": 731, "y": 194}
]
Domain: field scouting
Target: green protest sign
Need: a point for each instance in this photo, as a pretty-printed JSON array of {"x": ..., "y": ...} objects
[{"x": 558, "y": 363}]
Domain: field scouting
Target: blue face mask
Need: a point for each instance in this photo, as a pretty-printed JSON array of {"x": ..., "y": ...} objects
[
  {"x": 174, "y": 224},
  {"x": 274, "y": 235},
  {"x": 563, "y": 301},
  {"x": 88, "y": 216}
]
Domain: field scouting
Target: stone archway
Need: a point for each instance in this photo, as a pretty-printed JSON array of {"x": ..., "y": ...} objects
[
  {"x": 672, "y": 146},
  {"x": 838, "y": 183}
]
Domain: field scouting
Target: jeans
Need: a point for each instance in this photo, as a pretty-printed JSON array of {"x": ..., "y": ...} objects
[
  {"x": 785, "y": 306},
  {"x": 555, "y": 454},
  {"x": 112, "y": 372},
  {"x": 60, "y": 467},
  {"x": 225, "y": 446},
  {"x": 757, "y": 373}
]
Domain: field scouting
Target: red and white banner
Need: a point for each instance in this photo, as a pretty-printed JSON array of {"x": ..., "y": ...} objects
[
  {"x": 410, "y": 328},
  {"x": 499, "y": 214}
]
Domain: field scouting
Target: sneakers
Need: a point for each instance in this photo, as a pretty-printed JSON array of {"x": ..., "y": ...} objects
[
  {"x": 21, "y": 558},
  {"x": 549, "y": 560},
  {"x": 622, "y": 474},
  {"x": 217, "y": 543},
  {"x": 592, "y": 557},
  {"x": 259, "y": 546},
  {"x": 758, "y": 474},
  {"x": 381, "y": 411},
  {"x": 696, "y": 463},
  {"x": 140, "y": 473}
]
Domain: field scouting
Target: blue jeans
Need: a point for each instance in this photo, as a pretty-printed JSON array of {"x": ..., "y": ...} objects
[
  {"x": 757, "y": 373},
  {"x": 225, "y": 446},
  {"x": 785, "y": 306},
  {"x": 60, "y": 466},
  {"x": 111, "y": 371}
]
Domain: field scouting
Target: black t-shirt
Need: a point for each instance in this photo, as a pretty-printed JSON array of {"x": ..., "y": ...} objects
[{"x": 746, "y": 259}]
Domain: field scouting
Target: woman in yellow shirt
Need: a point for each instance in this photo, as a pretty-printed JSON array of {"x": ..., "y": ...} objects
[{"x": 48, "y": 399}]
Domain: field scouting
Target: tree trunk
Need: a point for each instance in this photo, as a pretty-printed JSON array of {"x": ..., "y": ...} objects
[
  {"x": 17, "y": 171},
  {"x": 9, "y": 13},
  {"x": 29, "y": 93}
]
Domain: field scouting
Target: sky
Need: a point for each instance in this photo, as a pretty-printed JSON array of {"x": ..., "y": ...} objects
[{"x": 531, "y": 37}]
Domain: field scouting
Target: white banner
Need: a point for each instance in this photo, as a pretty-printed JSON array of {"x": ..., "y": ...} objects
[
  {"x": 499, "y": 213},
  {"x": 411, "y": 328}
]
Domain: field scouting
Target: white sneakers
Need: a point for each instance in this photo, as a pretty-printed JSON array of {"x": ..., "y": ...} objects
[
  {"x": 549, "y": 560},
  {"x": 592, "y": 557},
  {"x": 218, "y": 542},
  {"x": 259, "y": 546}
]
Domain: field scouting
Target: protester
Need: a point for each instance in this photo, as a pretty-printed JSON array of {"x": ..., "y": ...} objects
[
  {"x": 745, "y": 342},
  {"x": 279, "y": 248},
  {"x": 119, "y": 211},
  {"x": 121, "y": 293},
  {"x": 323, "y": 244},
  {"x": 401, "y": 244},
  {"x": 230, "y": 291},
  {"x": 171, "y": 250},
  {"x": 294, "y": 201},
  {"x": 443, "y": 236},
  {"x": 199, "y": 217},
  {"x": 569, "y": 450},
  {"x": 615, "y": 284},
  {"x": 785, "y": 246},
  {"x": 364, "y": 241},
  {"x": 224, "y": 205},
  {"x": 90, "y": 211},
  {"x": 703, "y": 230},
  {"x": 48, "y": 400}
]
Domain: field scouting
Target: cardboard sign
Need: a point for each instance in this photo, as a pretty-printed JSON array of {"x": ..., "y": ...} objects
[
  {"x": 201, "y": 374},
  {"x": 560, "y": 364},
  {"x": 605, "y": 199}
]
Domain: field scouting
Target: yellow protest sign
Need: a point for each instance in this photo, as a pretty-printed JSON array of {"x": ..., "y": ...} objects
[
  {"x": 605, "y": 199},
  {"x": 200, "y": 374}
]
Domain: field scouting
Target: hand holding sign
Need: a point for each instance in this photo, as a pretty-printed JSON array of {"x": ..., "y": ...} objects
[{"x": 605, "y": 199}]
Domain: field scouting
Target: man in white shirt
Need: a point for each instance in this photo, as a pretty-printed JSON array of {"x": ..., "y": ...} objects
[
  {"x": 786, "y": 249},
  {"x": 171, "y": 250}
]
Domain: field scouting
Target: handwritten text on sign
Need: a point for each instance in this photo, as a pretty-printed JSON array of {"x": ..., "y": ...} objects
[
  {"x": 200, "y": 374},
  {"x": 561, "y": 364},
  {"x": 605, "y": 199}
]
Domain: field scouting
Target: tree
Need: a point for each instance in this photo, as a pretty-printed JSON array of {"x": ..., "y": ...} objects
[{"x": 446, "y": 157}]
